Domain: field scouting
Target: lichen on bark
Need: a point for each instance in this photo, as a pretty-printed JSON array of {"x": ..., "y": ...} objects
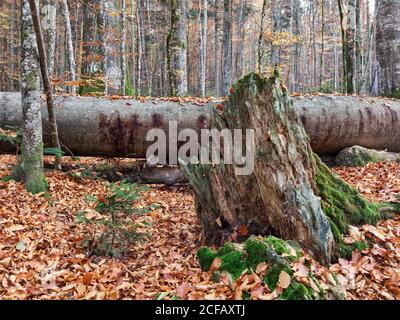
[{"x": 30, "y": 164}]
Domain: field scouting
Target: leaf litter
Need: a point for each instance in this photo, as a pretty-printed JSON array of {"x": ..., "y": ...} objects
[{"x": 41, "y": 256}]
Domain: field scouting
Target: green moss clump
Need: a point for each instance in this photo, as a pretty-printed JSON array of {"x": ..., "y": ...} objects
[
  {"x": 206, "y": 257},
  {"x": 232, "y": 259},
  {"x": 257, "y": 252},
  {"x": 297, "y": 291},
  {"x": 360, "y": 246},
  {"x": 228, "y": 247},
  {"x": 234, "y": 263},
  {"x": 283, "y": 247},
  {"x": 272, "y": 276}
]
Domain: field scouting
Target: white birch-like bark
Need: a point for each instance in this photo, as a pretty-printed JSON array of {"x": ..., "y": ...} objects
[
  {"x": 49, "y": 26},
  {"x": 203, "y": 46},
  {"x": 30, "y": 163},
  {"x": 70, "y": 46}
]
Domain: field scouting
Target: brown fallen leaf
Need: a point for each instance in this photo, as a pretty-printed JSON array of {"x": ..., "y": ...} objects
[{"x": 284, "y": 280}]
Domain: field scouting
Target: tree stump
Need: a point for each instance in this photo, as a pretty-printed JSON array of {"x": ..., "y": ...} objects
[{"x": 291, "y": 194}]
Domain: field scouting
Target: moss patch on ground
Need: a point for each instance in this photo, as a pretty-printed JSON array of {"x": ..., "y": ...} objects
[{"x": 277, "y": 253}]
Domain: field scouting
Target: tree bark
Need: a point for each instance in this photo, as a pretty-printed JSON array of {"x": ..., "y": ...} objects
[
  {"x": 113, "y": 73},
  {"x": 117, "y": 128},
  {"x": 240, "y": 46},
  {"x": 217, "y": 46},
  {"x": 49, "y": 25},
  {"x": 46, "y": 80},
  {"x": 227, "y": 47},
  {"x": 261, "y": 38},
  {"x": 123, "y": 48},
  {"x": 203, "y": 5},
  {"x": 70, "y": 47},
  {"x": 290, "y": 194},
  {"x": 177, "y": 48},
  {"x": 30, "y": 164},
  {"x": 387, "y": 46},
  {"x": 347, "y": 52}
]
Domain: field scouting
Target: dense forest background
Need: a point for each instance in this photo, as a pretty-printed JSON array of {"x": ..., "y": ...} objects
[{"x": 320, "y": 45}]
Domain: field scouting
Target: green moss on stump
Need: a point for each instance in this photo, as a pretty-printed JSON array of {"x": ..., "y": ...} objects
[{"x": 343, "y": 205}]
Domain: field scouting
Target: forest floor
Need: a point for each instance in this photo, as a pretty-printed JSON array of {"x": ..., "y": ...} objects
[{"x": 41, "y": 256}]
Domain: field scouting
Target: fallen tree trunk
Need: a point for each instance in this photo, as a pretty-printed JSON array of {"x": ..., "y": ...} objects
[
  {"x": 291, "y": 194},
  {"x": 117, "y": 128}
]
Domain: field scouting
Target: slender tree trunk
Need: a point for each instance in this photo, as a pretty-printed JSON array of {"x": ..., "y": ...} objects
[
  {"x": 322, "y": 58},
  {"x": 242, "y": 35},
  {"x": 30, "y": 164},
  {"x": 261, "y": 37},
  {"x": 217, "y": 49},
  {"x": 203, "y": 46},
  {"x": 387, "y": 47},
  {"x": 351, "y": 44},
  {"x": 70, "y": 49},
  {"x": 113, "y": 59},
  {"x": 358, "y": 61},
  {"x": 347, "y": 47},
  {"x": 177, "y": 47},
  {"x": 227, "y": 46},
  {"x": 140, "y": 51},
  {"x": 295, "y": 86},
  {"x": 49, "y": 25},
  {"x": 123, "y": 47},
  {"x": 46, "y": 80}
]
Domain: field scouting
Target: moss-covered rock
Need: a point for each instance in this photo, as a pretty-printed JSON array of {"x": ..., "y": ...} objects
[
  {"x": 297, "y": 291},
  {"x": 357, "y": 156},
  {"x": 278, "y": 255},
  {"x": 206, "y": 257},
  {"x": 272, "y": 276}
]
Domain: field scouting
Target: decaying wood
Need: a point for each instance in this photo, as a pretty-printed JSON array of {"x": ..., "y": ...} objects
[
  {"x": 278, "y": 197},
  {"x": 291, "y": 194}
]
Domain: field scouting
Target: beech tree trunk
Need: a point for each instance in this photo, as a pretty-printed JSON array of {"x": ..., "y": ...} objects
[
  {"x": 388, "y": 47},
  {"x": 117, "y": 128},
  {"x": 290, "y": 194},
  {"x": 176, "y": 46},
  {"x": 227, "y": 47},
  {"x": 48, "y": 90},
  {"x": 49, "y": 25},
  {"x": 70, "y": 47},
  {"x": 30, "y": 164}
]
